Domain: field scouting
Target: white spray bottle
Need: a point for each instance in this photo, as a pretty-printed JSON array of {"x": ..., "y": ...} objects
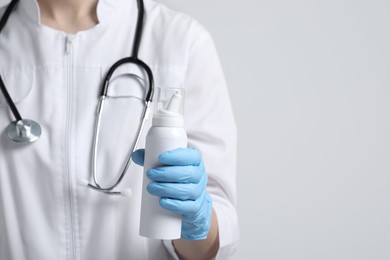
[{"x": 167, "y": 133}]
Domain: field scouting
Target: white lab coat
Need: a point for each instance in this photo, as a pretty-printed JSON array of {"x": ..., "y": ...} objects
[{"x": 55, "y": 79}]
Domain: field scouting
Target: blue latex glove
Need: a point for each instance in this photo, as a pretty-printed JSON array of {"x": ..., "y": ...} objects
[{"x": 181, "y": 185}]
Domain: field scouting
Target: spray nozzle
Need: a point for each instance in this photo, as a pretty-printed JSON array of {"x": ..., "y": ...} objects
[
  {"x": 174, "y": 105},
  {"x": 169, "y": 109}
]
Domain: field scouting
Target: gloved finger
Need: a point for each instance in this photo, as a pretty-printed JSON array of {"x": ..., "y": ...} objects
[
  {"x": 180, "y": 157},
  {"x": 183, "y": 207},
  {"x": 138, "y": 156},
  {"x": 195, "y": 227},
  {"x": 176, "y": 174},
  {"x": 177, "y": 191}
]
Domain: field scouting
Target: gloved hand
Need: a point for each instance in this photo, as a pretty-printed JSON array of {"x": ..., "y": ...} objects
[{"x": 181, "y": 185}]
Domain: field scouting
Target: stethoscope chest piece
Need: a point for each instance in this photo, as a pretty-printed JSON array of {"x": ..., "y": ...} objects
[{"x": 24, "y": 131}]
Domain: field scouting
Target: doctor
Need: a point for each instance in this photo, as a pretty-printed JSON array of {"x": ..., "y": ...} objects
[{"x": 54, "y": 55}]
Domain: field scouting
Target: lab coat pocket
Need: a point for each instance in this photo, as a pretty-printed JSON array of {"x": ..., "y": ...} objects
[{"x": 18, "y": 84}]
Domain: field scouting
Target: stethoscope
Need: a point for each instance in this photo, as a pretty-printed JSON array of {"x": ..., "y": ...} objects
[{"x": 27, "y": 131}]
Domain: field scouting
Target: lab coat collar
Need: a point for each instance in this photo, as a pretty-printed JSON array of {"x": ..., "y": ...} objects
[{"x": 105, "y": 9}]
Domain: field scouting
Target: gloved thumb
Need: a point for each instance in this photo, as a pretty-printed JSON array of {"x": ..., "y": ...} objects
[{"x": 138, "y": 156}]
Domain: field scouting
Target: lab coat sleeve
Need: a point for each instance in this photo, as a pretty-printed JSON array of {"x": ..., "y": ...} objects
[{"x": 211, "y": 129}]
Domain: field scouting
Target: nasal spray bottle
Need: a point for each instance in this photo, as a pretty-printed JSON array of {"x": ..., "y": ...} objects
[{"x": 167, "y": 133}]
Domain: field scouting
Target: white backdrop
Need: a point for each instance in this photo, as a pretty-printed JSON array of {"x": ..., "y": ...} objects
[{"x": 310, "y": 86}]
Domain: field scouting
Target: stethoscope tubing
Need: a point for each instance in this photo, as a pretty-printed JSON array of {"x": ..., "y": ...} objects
[
  {"x": 4, "y": 90},
  {"x": 133, "y": 59},
  {"x": 127, "y": 60},
  {"x": 148, "y": 100}
]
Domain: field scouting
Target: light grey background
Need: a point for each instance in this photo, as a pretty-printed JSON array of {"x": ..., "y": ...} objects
[{"x": 310, "y": 87}]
